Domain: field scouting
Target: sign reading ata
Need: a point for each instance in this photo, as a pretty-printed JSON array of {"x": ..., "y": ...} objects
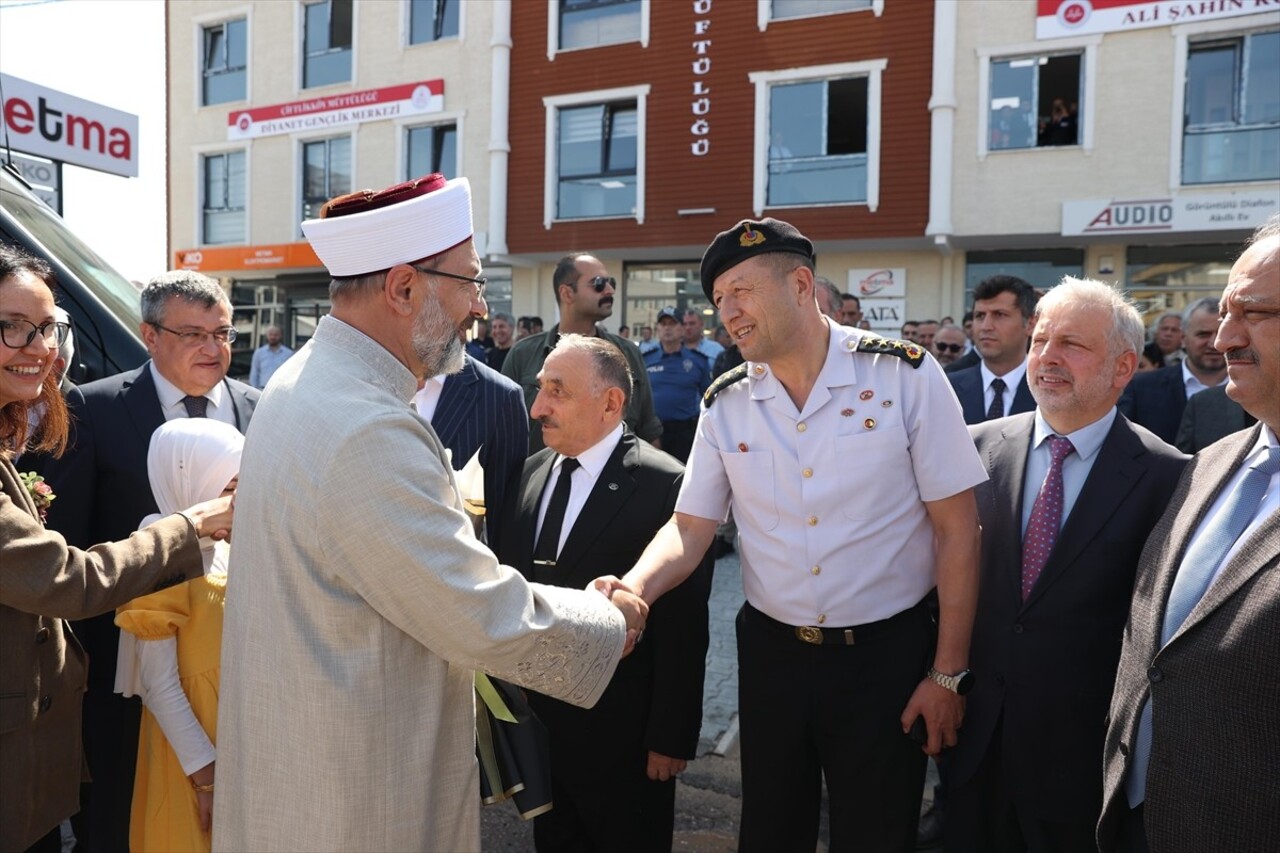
[
  {"x": 1060, "y": 18},
  {"x": 1229, "y": 212},
  {"x": 337, "y": 110},
  {"x": 58, "y": 126}
]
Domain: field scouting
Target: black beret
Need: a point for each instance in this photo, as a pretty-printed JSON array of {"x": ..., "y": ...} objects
[{"x": 749, "y": 238}]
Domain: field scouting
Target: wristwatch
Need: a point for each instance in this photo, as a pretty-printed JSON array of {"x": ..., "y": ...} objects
[{"x": 960, "y": 683}]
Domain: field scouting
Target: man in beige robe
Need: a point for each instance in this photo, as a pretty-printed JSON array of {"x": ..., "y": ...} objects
[{"x": 360, "y": 601}]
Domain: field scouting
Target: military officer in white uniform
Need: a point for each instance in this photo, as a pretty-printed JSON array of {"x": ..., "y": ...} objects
[{"x": 848, "y": 467}]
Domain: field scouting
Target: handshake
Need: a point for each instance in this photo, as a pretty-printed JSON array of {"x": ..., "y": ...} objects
[{"x": 633, "y": 607}]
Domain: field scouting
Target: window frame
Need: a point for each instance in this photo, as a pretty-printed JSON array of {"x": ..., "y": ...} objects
[
  {"x": 764, "y": 13},
  {"x": 302, "y": 43},
  {"x": 206, "y": 72},
  {"x": 300, "y": 141},
  {"x": 1086, "y": 46},
  {"x": 873, "y": 70},
  {"x": 202, "y": 159},
  {"x": 553, "y": 30},
  {"x": 199, "y": 153},
  {"x": 1185, "y": 35},
  {"x": 406, "y": 125},
  {"x": 551, "y": 167},
  {"x": 221, "y": 16},
  {"x": 407, "y": 22}
]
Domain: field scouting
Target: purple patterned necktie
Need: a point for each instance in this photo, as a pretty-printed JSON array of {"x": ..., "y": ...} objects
[{"x": 1046, "y": 516}]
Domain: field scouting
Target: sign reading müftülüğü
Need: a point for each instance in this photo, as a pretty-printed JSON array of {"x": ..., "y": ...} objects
[
  {"x": 338, "y": 110},
  {"x": 701, "y": 105}
]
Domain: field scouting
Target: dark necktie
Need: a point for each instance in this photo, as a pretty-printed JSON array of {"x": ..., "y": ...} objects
[
  {"x": 544, "y": 553},
  {"x": 1195, "y": 575},
  {"x": 196, "y": 406},
  {"x": 996, "y": 410},
  {"x": 1046, "y": 516}
]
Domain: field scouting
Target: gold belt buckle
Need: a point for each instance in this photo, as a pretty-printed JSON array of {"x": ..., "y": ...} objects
[{"x": 810, "y": 634}]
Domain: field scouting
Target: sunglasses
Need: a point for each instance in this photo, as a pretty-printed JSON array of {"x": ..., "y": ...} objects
[
  {"x": 947, "y": 347},
  {"x": 600, "y": 282}
]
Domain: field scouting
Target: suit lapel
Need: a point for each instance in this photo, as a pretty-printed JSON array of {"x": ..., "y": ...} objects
[
  {"x": 455, "y": 403},
  {"x": 1251, "y": 557},
  {"x": 1007, "y": 463},
  {"x": 142, "y": 402},
  {"x": 1022, "y": 399},
  {"x": 532, "y": 484},
  {"x": 239, "y": 410},
  {"x": 1113, "y": 476},
  {"x": 971, "y": 396},
  {"x": 610, "y": 494}
]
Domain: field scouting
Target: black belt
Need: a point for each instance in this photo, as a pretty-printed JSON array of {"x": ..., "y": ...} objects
[{"x": 833, "y": 636}]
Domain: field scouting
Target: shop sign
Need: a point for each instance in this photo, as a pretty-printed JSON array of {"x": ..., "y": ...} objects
[
  {"x": 53, "y": 124},
  {"x": 882, "y": 283},
  {"x": 337, "y": 110},
  {"x": 284, "y": 256},
  {"x": 701, "y": 67},
  {"x": 1227, "y": 212},
  {"x": 1064, "y": 18}
]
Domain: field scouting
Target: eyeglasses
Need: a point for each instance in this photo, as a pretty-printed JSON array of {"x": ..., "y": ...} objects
[
  {"x": 200, "y": 338},
  {"x": 940, "y": 347},
  {"x": 479, "y": 281},
  {"x": 15, "y": 337},
  {"x": 600, "y": 282}
]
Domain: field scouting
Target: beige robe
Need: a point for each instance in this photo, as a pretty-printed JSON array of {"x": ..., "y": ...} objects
[{"x": 359, "y": 607}]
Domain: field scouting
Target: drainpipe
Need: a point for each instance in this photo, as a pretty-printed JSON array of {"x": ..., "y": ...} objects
[
  {"x": 942, "y": 114},
  {"x": 499, "y": 124}
]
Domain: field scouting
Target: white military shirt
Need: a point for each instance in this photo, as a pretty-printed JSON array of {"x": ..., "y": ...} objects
[{"x": 829, "y": 500}]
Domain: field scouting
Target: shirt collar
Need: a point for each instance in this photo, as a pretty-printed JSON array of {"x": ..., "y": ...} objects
[
  {"x": 838, "y": 370},
  {"x": 1087, "y": 440},
  {"x": 1011, "y": 379},
  {"x": 171, "y": 395},
  {"x": 593, "y": 459},
  {"x": 1192, "y": 382}
]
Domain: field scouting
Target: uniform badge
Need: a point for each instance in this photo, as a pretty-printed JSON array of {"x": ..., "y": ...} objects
[
  {"x": 749, "y": 237},
  {"x": 866, "y": 395},
  {"x": 846, "y": 413},
  {"x": 688, "y": 365},
  {"x": 886, "y": 403},
  {"x": 613, "y": 487},
  {"x": 869, "y": 423},
  {"x": 742, "y": 447}
]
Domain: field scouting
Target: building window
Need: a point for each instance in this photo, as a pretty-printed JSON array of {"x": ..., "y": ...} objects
[
  {"x": 326, "y": 172},
  {"x": 818, "y": 135},
  {"x": 432, "y": 20},
  {"x": 326, "y": 43},
  {"x": 591, "y": 23},
  {"x": 224, "y": 196},
  {"x": 1231, "y": 129},
  {"x": 1034, "y": 102},
  {"x": 780, "y": 9},
  {"x": 1042, "y": 268},
  {"x": 432, "y": 149},
  {"x": 1169, "y": 278},
  {"x": 224, "y": 59},
  {"x": 596, "y": 148}
]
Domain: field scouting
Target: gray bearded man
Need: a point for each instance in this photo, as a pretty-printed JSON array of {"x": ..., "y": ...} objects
[{"x": 363, "y": 601}]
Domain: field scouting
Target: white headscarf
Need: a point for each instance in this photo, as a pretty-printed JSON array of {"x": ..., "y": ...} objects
[{"x": 190, "y": 461}]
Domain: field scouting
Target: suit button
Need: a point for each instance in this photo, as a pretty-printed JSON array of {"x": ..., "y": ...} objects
[
  {"x": 42, "y": 636},
  {"x": 1155, "y": 675},
  {"x": 45, "y": 704},
  {"x": 1017, "y": 627}
]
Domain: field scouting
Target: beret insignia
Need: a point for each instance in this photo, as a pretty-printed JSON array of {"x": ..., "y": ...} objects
[
  {"x": 911, "y": 353},
  {"x": 723, "y": 381},
  {"x": 750, "y": 237}
]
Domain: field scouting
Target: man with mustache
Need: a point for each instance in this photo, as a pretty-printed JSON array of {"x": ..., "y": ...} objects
[
  {"x": 1074, "y": 490},
  {"x": 584, "y": 291},
  {"x": 1191, "y": 752},
  {"x": 365, "y": 604},
  {"x": 1157, "y": 399}
]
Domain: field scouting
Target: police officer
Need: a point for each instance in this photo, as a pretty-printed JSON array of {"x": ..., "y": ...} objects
[
  {"x": 679, "y": 376},
  {"x": 838, "y": 655}
]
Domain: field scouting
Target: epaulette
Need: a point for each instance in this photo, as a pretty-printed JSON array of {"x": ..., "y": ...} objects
[
  {"x": 723, "y": 381},
  {"x": 912, "y": 354}
]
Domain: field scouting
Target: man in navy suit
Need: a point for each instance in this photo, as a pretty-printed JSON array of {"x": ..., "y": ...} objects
[
  {"x": 1156, "y": 399},
  {"x": 478, "y": 409},
  {"x": 1002, "y": 315},
  {"x": 104, "y": 492},
  {"x": 1074, "y": 490}
]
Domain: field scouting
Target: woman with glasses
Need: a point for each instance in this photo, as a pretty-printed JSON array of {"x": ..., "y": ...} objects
[{"x": 44, "y": 581}]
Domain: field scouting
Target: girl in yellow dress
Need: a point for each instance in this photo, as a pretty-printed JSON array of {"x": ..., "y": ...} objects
[{"x": 170, "y": 647}]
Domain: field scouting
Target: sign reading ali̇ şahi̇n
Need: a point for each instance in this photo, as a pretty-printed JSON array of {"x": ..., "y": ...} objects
[
  {"x": 1061, "y": 18},
  {"x": 52, "y": 124},
  {"x": 338, "y": 110}
]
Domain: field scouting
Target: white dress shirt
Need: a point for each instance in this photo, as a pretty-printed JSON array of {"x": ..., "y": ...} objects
[
  {"x": 219, "y": 407},
  {"x": 428, "y": 397},
  {"x": 1193, "y": 385},
  {"x": 590, "y": 463},
  {"x": 1087, "y": 441},
  {"x": 1011, "y": 382}
]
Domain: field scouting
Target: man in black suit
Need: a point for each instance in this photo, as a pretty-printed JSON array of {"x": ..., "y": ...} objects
[
  {"x": 1156, "y": 399},
  {"x": 104, "y": 492},
  {"x": 1074, "y": 490},
  {"x": 1002, "y": 310},
  {"x": 614, "y": 766}
]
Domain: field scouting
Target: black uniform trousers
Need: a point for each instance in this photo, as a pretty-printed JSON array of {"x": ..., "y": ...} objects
[{"x": 810, "y": 712}]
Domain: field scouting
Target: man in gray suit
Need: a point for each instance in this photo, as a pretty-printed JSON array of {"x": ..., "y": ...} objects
[
  {"x": 1192, "y": 748},
  {"x": 1209, "y": 416}
]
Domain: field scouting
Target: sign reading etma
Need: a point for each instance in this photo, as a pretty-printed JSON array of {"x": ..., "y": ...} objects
[
  {"x": 1230, "y": 212},
  {"x": 53, "y": 124}
]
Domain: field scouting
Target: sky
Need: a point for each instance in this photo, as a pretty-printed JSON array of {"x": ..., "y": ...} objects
[{"x": 110, "y": 52}]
